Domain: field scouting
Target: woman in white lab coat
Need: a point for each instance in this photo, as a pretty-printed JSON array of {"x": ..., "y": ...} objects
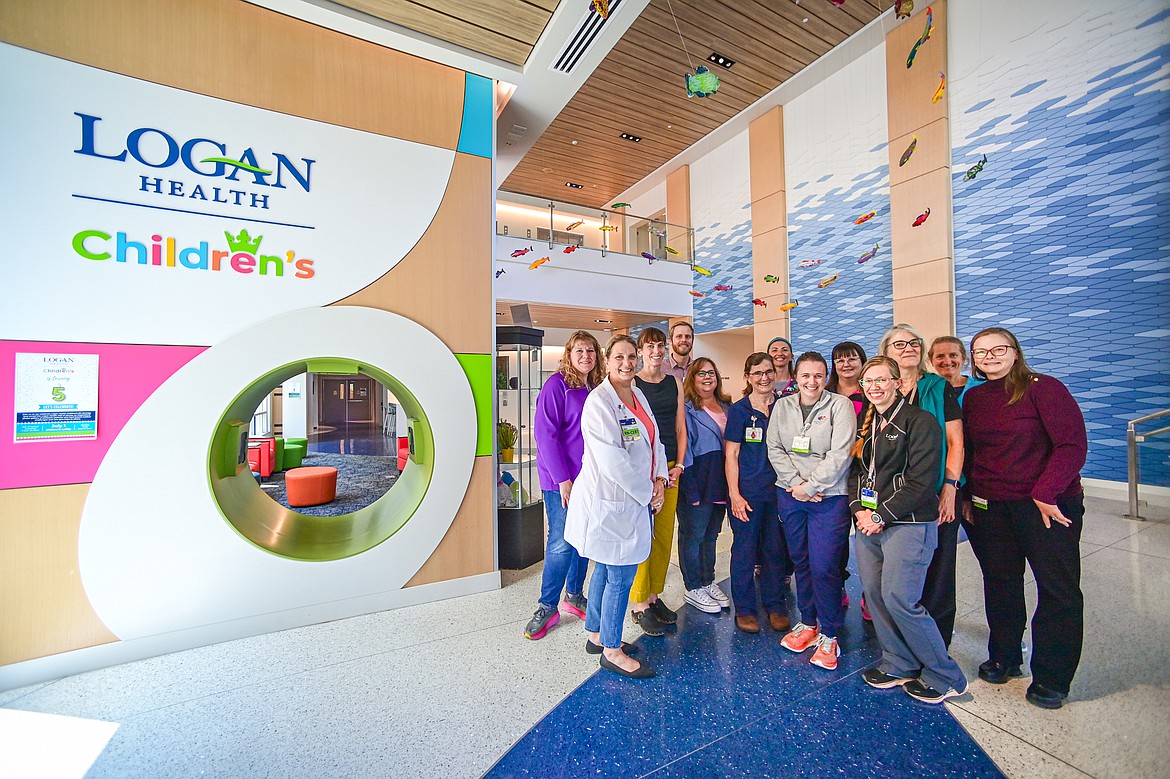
[{"x": 610, "y": 516}]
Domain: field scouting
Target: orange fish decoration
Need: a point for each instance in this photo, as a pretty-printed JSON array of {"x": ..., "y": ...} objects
[
  {"x": 576, "y": 224},
  {"x": 809, "y": 263},
  {"x": 790, "y": 306},
  {"x": 759, "y": 302},
  {"x": 864, "y": 218},
  {"x": 829, "y": 281},
  {"x": 697, "y": 294},
  {"x": 539, "y": 262}
]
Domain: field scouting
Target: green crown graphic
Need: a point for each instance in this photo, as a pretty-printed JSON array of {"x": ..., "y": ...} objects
[{"x": 243, "y": 242}]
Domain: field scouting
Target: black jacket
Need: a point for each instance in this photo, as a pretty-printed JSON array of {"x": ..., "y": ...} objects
[{"x": 909, "y": 456}]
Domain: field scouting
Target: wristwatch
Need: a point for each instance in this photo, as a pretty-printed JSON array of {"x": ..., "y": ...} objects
[
  {"x": 953, "y": 482},
  {"x": 876, "y": 518}
]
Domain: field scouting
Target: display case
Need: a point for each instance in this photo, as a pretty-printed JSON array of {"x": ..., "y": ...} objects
[{"x": 518, "y": 497}]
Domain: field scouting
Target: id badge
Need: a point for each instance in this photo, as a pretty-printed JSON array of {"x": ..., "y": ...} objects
[
  {"x": 753, "y": 434},
  {"x": 801, "y": 444},
  {"x": 869, "y": 498},
  {"x": 979, "y": 503},
  {"x": 630, "y": 430}
]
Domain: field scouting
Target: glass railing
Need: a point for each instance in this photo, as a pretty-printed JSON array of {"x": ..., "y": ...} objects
[{"x": 610, "y": 230}]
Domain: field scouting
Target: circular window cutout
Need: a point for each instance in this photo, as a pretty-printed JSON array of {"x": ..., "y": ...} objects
[{"x": 341, "y": 491}]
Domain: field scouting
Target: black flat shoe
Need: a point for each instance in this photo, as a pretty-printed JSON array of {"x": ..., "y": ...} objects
[
  {"x": 595, "y": 649},
  {"x": 1045, "y": 698},
  {"x": 644, "y": 671},
  {"x": 995, "y": 672}
]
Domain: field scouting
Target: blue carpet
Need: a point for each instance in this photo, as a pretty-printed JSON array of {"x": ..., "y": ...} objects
[
  {"x": 726, "y": 703},
  {"x": 361, "y": 479}
]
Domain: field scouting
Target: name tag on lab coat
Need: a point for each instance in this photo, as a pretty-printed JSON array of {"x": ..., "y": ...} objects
[{"x": 630, "y": 430}]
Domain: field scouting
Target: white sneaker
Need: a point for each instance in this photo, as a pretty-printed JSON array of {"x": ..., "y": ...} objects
[
  {"x": 718, "y": 595},
  {"x": 701, "y": 600}
]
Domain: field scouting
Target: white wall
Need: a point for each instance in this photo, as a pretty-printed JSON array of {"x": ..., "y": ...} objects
[{"x": 729, "y": 349}]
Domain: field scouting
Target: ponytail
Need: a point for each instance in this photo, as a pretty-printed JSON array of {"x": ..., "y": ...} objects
[{"x": 864, "y": 432}]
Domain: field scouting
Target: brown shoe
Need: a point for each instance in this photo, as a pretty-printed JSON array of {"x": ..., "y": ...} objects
[
  {"x": 780, "y": 621},
  {"x": 747, "y": 623}
]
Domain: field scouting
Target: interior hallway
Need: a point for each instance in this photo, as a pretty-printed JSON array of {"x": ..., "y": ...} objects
[{"x": 446, "y": 689}]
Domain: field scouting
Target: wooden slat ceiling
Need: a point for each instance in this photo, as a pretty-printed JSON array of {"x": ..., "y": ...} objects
[
  {"x": 638, "y": 88},
  {"x": 504, "y": 29},
  {"x": 544, "y": 316}
]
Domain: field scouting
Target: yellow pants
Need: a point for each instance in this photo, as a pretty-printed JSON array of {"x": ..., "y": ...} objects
[{"x": 651, "y": 576}]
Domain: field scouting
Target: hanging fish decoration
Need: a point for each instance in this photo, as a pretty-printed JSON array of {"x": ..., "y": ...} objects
[
  {"x": 759, "y": 302},
  {"x": 575, "y": 225},
  {"x": 607, "y": 228},
  {"x": 790, "y": 306},
  {"x": 830, "y": 281},
  {"x": 521, "y": 252},
  {"x": 771, "y": 279},
  {"x": 723, "y": 288},
  {"x": 942, "y": 85},
  {"x": 906, "y": 155},
  {"x": 500, "y": 272},
  {"x": 924, "y": 38},
  {"x": 670, "y": 250},
  {"x": 620, "y": 205},
  {"x": 703, "y": 83},
  {"x": 650, "y": 257},
  {"x": 700, "y": 270},
  {"x": 696, "y": 294},
  {"x": 864, "y": 218},
  {"x": 975, "y": 169},
  {"x": 539, "y": 262},
  {"x": 810, "y": 263},
  {"x": 571, "y": 249},
  {"x": 656, "y": 231},
  {"x": 599, "y": 7},
  {"x": 921, "y": 218},
  {"x": 869, "y": 255},
  {"x": 903, "y": 9}
]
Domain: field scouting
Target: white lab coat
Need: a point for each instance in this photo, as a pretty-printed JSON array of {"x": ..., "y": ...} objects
[{"x": 608, "y": 518}]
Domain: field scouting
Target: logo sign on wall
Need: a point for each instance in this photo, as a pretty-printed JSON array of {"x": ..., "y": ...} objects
[
  {"x": 56, "y": 397},
  {"x": 147, "y": 214}
]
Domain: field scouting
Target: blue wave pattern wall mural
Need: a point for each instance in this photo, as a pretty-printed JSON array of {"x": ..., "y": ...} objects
[
  {"x": 858, "y": 306},
  {"x": 722, "y": 215},
  {"x": 1064, "y": 237},
  {"x": 836, "y": 156}
]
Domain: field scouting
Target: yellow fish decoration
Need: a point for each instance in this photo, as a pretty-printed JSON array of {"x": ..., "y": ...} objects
[
  {"x": 670, "y": 250},
  {"x": 699, "y": 269},
  {"x": 938, "y": 93},
  {"x": 607, "y": 228},
  {"x": 538, "y": 263},
  {"x": 790, "y": 306},
  {"x": 575, "y": 225}
]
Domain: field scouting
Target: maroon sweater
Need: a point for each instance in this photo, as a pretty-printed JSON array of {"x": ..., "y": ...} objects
[{"x": 1033, "y": 449}]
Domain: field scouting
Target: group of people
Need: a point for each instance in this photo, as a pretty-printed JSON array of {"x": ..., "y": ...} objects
[{"x": 812, "y": 452}]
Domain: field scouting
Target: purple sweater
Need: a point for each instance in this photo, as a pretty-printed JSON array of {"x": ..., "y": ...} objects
[
  {"x": 559, "y": 446},
  {"x": 1034, "y": 449}
]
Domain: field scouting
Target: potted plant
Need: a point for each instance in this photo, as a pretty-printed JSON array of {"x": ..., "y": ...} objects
[{"x": 506, "y": 434}]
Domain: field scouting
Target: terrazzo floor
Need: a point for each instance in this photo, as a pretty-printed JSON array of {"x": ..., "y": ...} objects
[{"x": 452, "y": 689}]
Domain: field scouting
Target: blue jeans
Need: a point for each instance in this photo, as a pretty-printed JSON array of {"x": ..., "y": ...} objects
[
  {"x": 818, "y": 539},
  {"x": 609, "y": 591},
  {"x": 698, "y": 529},
  {"x": 563, "y": 567},
  {"x": 759, "y": 540}
]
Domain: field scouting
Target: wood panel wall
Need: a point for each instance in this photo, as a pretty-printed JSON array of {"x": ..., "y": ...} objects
[
  {"x": 769, "y": 226},
  {"x": 236, "y": 51},
  {"x": 924, "y": 275}
]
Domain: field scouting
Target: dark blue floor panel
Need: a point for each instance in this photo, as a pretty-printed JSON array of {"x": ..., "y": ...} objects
[{"x": 726, "y": 703}]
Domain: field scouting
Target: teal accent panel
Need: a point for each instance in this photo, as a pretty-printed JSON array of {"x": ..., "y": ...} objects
[
  {"x": 475, "y": 135},
  {"x": 480, "y": 375}
]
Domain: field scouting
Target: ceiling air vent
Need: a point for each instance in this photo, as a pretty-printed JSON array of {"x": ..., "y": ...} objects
[{"x": 581, "y": 39}]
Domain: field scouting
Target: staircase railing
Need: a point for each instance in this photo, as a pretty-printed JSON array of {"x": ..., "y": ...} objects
[{"x": 1132, "y": 439}]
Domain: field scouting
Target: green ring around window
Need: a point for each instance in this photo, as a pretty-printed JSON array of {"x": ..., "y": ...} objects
[{"x": 288, "y": 533}]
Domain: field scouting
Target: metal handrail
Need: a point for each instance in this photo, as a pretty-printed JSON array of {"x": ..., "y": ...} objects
[{"x": 1132, "y": 439}]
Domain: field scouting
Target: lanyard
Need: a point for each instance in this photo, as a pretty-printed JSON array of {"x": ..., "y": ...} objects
[{"x": 881, "y": 421}]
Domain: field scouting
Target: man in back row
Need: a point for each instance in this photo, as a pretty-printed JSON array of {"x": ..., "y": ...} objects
[{"x": 682, "y": 340}]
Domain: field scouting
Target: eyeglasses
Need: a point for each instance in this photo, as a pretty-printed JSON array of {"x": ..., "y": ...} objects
[
  {"x": 899, "y": 345},
  {"x": 761, "y": 374},
  {"x": 844, "y": 360},
  {"x": 705, "y": 374},
  {"x": 878, "y": 381},
  {"x": 995, "y": 351}
]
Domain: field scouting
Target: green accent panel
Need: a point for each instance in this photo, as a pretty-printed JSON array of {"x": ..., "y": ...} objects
[
  {"x": 286, "y": 532},
  {"x": 481, "y": 376},
  {"x": 333, "y": 365}
]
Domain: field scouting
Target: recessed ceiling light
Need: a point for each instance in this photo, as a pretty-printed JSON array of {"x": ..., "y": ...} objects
[
  {"x": 669, "y": 126},
  {"x": 546, "y": 170},
  {"x": 574, "y": 186},
  {"x": 634, "y": 138},
  {"x": 574, "y": 143},
  {"x": 719, "y": 59},
  {"x": 603, "y": 321}
]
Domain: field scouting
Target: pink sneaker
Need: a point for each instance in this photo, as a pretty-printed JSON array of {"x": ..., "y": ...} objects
[
  {"x": 826, "y": 653},
  {"x": 865, "y": 611},
  {"x": 800, "y": 638},
  {"x": 575, "y": 605}
]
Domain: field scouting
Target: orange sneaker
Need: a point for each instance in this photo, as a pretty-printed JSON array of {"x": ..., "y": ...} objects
[
  {"x": 800, "y": 638},
  {"x": 826, "y": 653}
]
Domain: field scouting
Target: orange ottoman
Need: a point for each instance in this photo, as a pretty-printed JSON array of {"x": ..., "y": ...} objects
[{"x": 311, "y": 485}]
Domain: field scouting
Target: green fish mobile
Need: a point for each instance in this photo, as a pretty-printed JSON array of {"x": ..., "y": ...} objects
[{"x": 703, "y": 83}]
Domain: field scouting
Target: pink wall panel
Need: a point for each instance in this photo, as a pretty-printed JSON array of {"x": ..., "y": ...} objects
[{"x": 127, "y": 375}]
